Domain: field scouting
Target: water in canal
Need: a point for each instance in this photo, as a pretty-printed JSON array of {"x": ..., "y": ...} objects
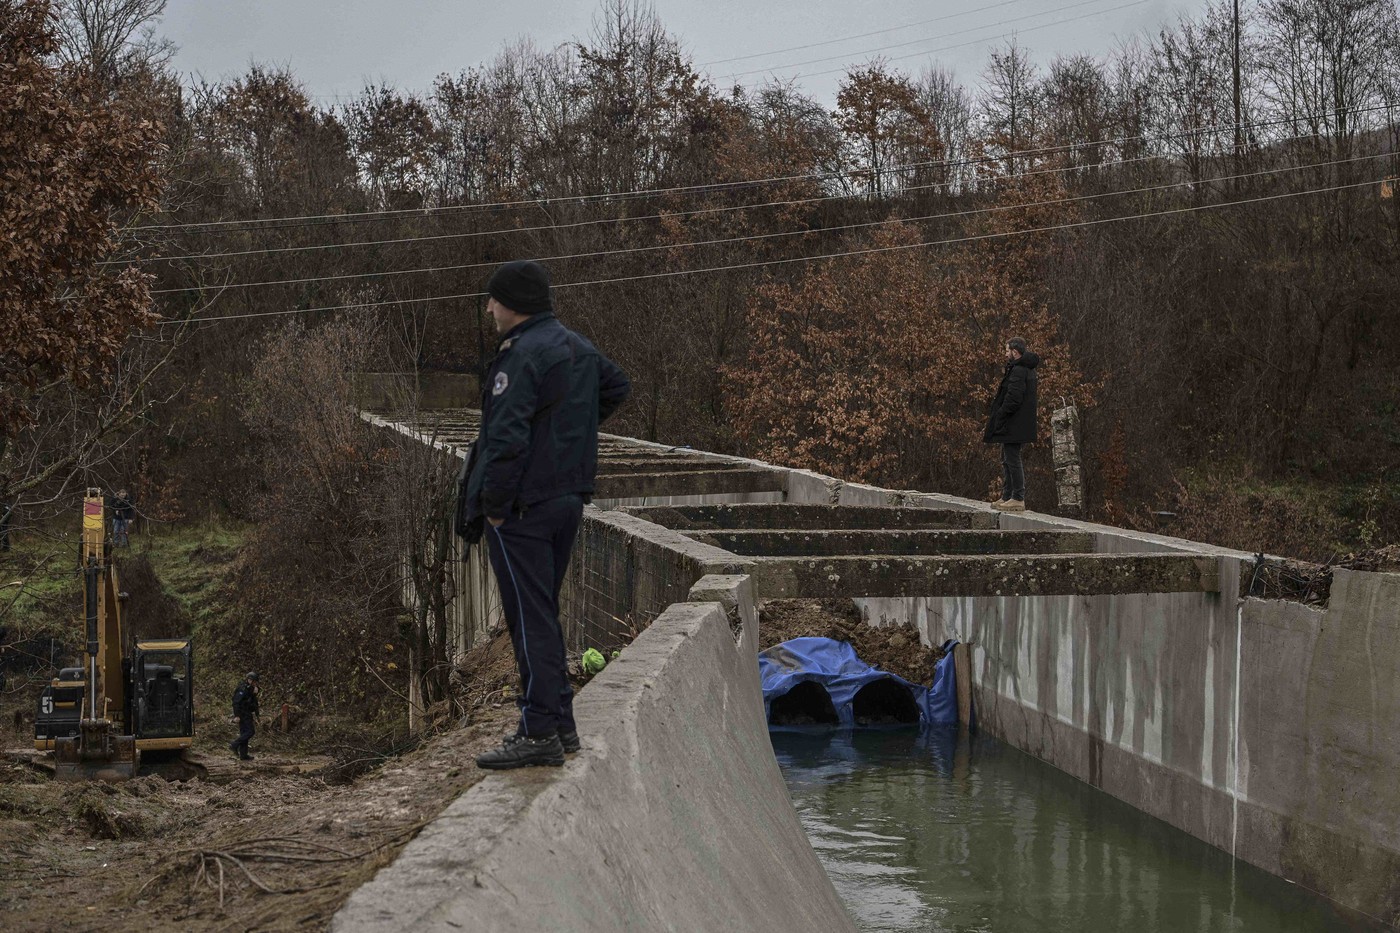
[{"x": 919, "y": 831}]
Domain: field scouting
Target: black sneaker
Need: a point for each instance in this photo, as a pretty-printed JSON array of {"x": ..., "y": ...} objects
[
  {"x": 245, "y": 757},
  {"x": 523, "y": 751},
  {"x": 569, "y": 739}
]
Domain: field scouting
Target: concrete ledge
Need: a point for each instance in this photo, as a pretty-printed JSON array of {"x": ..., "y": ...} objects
[
  {"x": 735, "y": 593},
  {"x": 690, "y": 483},
  {"x": 625, "y": 572},
  {"x": 629, "y": 464},
  {"x": 964, "y": 576},
  {"x": 789, "y": 516},
  {"x": 673, "y": 817},
  {"x": 786, "y": 543}
]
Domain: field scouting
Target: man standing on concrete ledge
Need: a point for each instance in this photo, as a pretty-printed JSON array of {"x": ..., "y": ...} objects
[
  {"x": 1012, "y": 422},
  {"x": 529, "y": 474}
]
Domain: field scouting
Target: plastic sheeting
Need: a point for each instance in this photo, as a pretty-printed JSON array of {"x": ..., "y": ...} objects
[{"x": 835, "y": 666}]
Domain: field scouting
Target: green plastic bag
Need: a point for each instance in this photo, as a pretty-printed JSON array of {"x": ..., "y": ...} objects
[{"x": 593, "y": 661}]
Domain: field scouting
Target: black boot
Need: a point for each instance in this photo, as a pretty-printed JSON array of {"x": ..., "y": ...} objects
[
  {"x": 522, "y": 751},
  {"x": 569, "y": 739}
]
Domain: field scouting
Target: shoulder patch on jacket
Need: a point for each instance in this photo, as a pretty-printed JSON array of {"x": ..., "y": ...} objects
[{"x": 502, "y": 383}]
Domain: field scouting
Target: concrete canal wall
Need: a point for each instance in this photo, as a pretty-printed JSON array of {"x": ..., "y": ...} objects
[
  {"x": 1266, "y": 728},
  {"x": 674, "y": 816}
]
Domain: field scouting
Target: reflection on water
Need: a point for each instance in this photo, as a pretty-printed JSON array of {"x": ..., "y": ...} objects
[{"x": 921, "y": 831}]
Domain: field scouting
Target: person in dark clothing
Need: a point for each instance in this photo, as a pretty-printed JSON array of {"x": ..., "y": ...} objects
[
  {"x": 121, "y": 519},
  {"x": 245, "y": 709},
  {"x": 524, "y": 486},
  {"x": 1012, "y": 422}
]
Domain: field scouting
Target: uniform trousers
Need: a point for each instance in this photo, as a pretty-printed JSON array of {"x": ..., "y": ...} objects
[{"x": 529, "y": 555}]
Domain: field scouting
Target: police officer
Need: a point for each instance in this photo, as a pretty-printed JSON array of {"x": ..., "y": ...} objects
[
  {"x": 525, "y": 483},
  {"x": 245, "y": 709}
]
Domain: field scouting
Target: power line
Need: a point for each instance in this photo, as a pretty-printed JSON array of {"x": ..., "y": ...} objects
[
  {"x": 945, "y": 163},
  {"x": 960, "y": 32},
  {"x": 863, "y": 35},
  {"x": 1005, "y": 35},
  {"x": 796, "y": 259},
  {"x": 800, "y": 232}
]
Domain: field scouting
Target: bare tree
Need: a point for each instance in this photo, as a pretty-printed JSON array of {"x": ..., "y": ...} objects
[
  {"x": 113, "y": 37},
  {"x": 1011, "y": 102},
  {"x": 950, "y": 108}
]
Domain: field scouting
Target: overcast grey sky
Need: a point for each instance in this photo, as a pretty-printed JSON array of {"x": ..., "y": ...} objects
[{"x": 336, "y": 46}]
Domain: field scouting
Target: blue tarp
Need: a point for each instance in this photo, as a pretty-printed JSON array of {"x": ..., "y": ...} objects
[{"x": 835, "y": 666}]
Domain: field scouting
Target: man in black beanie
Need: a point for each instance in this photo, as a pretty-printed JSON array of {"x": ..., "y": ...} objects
[{"x": 524, "y": 485}]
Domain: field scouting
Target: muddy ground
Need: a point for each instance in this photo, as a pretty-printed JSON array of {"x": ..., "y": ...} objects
[
  {"x": 893, "y": 648},
  {"x": 257, "y": 846}
]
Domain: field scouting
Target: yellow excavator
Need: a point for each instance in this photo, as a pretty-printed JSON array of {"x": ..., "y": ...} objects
[{"x": 127, "y": 697}]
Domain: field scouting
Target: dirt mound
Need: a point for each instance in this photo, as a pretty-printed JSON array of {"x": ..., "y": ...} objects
[
  {"x": 153, "y": 612},
  {"x": 486, "y": 674},
  {"x": 1376, "y": 560},
  {"x": 261, "y": 851},
  {"x": 893, "y": 648}
]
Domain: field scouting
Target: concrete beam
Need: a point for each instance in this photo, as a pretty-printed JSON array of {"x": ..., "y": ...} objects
[
  {"x": 791, "y": 516},
  {"x": 1068, "y": 575},
  {"x": 698, "y": 483},
  {"x": 790, "y": 543},
  {"x": 631, "y": 465}
]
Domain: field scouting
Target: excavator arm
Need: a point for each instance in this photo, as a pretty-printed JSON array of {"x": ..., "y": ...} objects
[{"x": 99, "y": 751}]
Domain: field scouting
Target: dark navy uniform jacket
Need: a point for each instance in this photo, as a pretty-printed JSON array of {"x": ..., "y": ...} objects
[
  {"x": 245, "y": 700},
  {"x": 547, "y": 391}
]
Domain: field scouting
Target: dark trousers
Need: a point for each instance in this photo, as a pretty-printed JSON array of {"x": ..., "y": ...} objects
[
  {"x": 1013, "y": 474},
  {"x": 245, "y": 734},
  {"x": 529, "y": 555}
]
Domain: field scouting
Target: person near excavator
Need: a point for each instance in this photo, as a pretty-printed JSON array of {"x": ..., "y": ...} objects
[
  {"x": 245, "y": 710},
  {"x": 524, "y": 485},
  {"x": 122, "y": 511},
  {"x": 1012, "y": 422}
]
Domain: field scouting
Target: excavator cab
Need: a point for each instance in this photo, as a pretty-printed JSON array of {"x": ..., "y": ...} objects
[{"x": 162, "y": 705}]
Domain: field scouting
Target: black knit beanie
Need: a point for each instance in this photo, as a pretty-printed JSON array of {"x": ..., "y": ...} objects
[{"x": 522, "y": 286}]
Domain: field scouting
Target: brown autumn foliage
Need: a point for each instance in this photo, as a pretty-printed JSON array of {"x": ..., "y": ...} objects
[
  {"x": 880, "y": 367},
  {"x": 74, "y": 161},
  {"x": 1237, "y": 334}
]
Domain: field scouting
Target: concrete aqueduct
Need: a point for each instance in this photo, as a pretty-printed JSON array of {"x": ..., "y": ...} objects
[{"x": 1268, "y": 728}]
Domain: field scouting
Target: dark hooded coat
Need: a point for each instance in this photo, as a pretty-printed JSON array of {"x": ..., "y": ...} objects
[{"x": 1012, "y": 419}]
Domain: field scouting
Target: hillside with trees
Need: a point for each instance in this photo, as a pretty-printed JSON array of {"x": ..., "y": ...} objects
[{"x": 194, "y": 269}]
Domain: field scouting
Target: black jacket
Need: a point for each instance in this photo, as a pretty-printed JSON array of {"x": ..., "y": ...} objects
[
  {"x": 1012, "y": 418},
  {"x": 545, "y": 394},
  {"x": 245, "y": 700}
]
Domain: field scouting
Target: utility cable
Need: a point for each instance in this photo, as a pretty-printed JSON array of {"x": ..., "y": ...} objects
[
  {"x": 598, "y": 254},
  {"x": 960, "y": 32},
  {"x": 236, "y": 226},
  {"x": 945, "y": 163},
  {"x": 863, "y": 35},
  {"x": 796, "y": 259}
]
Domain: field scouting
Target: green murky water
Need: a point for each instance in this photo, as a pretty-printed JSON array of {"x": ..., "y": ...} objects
[{"x": 921, "y": 832}]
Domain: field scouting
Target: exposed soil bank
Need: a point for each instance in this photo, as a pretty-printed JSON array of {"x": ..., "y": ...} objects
[
  {"x": 895, "y": 647},
  {"x": 253, "y": 846}
]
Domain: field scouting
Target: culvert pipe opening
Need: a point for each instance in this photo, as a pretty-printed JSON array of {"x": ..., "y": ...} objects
[
  {"x": 807, "y": 704},
  {"x": 884, "y": 702}
]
